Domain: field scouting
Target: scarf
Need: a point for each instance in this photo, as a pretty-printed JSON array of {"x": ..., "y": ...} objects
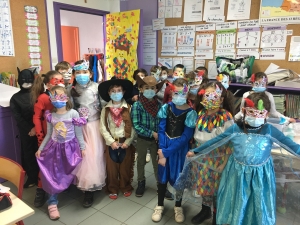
[
  {"x": 116, "y": 115},
  {"x": 209, "y": 122},
  {"x": 150, "y": 106}
]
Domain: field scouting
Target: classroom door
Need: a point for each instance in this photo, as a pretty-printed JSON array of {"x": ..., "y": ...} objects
[{"x": 70, "y": 43}]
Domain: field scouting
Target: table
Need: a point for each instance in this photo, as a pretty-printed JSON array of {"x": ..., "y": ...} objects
[{"x": 18, "y": 211}]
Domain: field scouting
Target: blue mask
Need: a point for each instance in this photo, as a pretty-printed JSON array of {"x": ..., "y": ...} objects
[
  {"x": 254, "y": 122},
  {"x": 149, "y": 94},
  {"x": 225, "y": 85},
  {"x": 259, "y": 89},
  {"x": 178, "y": 100},
  {"x": 116, "y": 96},
  {"x": 82, "y": 79},
  {"x": 59, "y": 104},
  {"x": 194, "y": 91}
]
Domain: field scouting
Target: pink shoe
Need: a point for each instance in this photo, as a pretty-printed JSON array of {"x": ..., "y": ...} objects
[{"x": 53, "y": 212}]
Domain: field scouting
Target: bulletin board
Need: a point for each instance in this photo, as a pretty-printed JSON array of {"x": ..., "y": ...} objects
[
  {"x": 21, "y": 58},
  {"x": 259, "y": 65}
]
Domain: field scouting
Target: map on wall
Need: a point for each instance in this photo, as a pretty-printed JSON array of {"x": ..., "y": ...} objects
[{"x": 280, "y": 11}]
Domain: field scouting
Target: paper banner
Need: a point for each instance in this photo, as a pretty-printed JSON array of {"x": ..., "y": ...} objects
[
  {"x": 33, "y": 36},
  {"x": 34, "y": 42},
  {"x": 33, "y": 23},
  {"x": 33, "y": 55},
  {"x": 34, "y": 49},
  {"x": 30, "y": 9},
  {"x": 35, "y": 61},
  {"x": 31, "y": 16},
  {"x": 32, "y": 29}
]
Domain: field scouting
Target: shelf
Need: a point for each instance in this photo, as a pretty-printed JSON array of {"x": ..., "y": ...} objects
[{"x": 276, "y": 89}]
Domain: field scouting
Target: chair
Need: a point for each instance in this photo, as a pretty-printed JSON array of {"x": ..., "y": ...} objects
[{"x": 13, "y": 172}]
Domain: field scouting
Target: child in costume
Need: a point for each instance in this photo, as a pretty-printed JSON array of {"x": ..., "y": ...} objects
[
  {"x": 178, "y": 72},
  {"x": 59, "y": 153},
  {"x": 65, "y": 69},
  {"x": 145, "y": 122},
  {"x": 247, "y": 190},
  {"x": 214, "y": 117},
  {"x": 22, "y": 109},
  {"x": 90, "y": 174},
  {"x": 163, "y": 77},
  {"x": 156, "y": 72},
  {"x": 176, "y": 128},
  {"x": 40, "y": 99},
  {"x": 135, "y": 91},
  {"x": 259, "y": 84},
  {"x": 118, "y": 132}
]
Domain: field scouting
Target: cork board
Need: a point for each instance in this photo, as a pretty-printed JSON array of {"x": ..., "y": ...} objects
[
  {"x": 21, "y": 59},
  {"x": 259, "y": 65}
]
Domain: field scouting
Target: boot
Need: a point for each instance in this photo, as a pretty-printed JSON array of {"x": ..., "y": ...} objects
[
  {"x": 203, "y": 215},
  {"x": 214, "y": 221},
  {"x": 88, "y": 199},
  {"x": 140, "y": 189},
  {"x": 40, "y": 197}
]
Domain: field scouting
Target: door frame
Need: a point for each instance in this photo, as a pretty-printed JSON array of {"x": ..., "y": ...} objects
[{"x": 57, "y": 6}]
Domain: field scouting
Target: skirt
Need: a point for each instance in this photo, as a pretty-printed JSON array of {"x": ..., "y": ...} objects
[
  {"x": 91, "y": 173},
  {"x": 57, "y": 162}
]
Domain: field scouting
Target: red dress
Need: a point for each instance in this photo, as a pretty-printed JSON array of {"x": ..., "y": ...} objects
[{"x": 168, "y": 95}]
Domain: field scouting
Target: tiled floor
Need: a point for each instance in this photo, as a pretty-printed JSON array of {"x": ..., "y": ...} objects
[{"x": 123, "y": 211}]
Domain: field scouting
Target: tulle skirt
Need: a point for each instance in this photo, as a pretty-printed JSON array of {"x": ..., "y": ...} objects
[
  {"x": 91, "y": 173},
  {"x": 57, "y": 162}
]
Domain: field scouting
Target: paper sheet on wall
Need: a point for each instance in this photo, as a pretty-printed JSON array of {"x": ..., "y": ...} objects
[
  {"x": 225, "y": 39},
  {"x": 177, "y": 60},
  {"x": 188, "y": 62},
  {"x": 273, "y": 37},
  {"x": 204, "y": 40},
  {"x": 6, "y": 31},
  {"x": 193, "y": 10},
  {"x": 148, "y": 32},
  {"x": 212, "y": 70},
  {"x": 168, "y": 51},
  {"x": 199, "y": 62},
  {"x": 149, "y": 58},
  {"x": 294, "y": 55},
  {"x": 248, "y": 38},
  {"x": 204, "y": 54},
  {"x": 238, "y": 9},
  {"x": 149, "y": 45},
  {"x": 158, "y": 24},
  {"x": 213, "y": 7},
  {"x": 166, "y": 62},
  {"x": 169, "y": 39}
]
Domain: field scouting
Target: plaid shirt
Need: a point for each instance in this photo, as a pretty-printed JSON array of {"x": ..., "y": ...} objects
[{"x": 142, "y": 121}]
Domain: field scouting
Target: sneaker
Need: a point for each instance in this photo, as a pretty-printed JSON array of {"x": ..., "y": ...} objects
[
  {"x": 88, "y": 199},
  {"x": 168, "y": 195},
  {"x": 148, "y": 156},
  {"x": 135, "y": 156},
  {"x": 140, "y": 189},
  {"x": 113, "y": 196},
  {"x": 53, "y": 212},
  {"x": 195, "y": 194},
  {"x": 179, "y": 216},
  {"x": 40, "y": 198},
  {"x": 203, "y": 215},
  {"x": 127, "y": 194},
  {"x": 156, "y": 216}
]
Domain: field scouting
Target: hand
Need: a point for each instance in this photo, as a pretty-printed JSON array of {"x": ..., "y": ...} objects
[
  {"x": 155, "y": 135},
  {"x": 190, "y": 154},
  {"x": 160, "y": 153},
  {"x": 221, "y": 168},
  {"x": 292, "y": 120},
  {"x": 114, "y": 145},
  {"x": 38, "y": 154},
  {"x": 135, "y": 98},
  {"x": 32, "y": 132},
  {"x": 83, "y": 152},
  {"x": 124, "y": 146},
  {"x": 162, "y": 161}
]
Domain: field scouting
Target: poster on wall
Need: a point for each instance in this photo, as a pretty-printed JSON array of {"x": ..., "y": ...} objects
[
  {"x": 238, "y": 9},
  {"x": 193, "y": 11},
  {"x": 122, "y": 32},
  {"x": 279, "y": 12},
  {"x": 213, "y": 7},
  {"x": 6, "y": 37}
]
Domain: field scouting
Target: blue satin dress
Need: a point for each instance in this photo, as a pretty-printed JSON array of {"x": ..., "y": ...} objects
[
  {"x": 247, "y": 191},
  {"x": 174, "y": 149}
]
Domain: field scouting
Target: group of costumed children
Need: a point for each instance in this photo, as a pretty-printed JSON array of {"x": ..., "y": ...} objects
[{"x": 82, "y": 133}]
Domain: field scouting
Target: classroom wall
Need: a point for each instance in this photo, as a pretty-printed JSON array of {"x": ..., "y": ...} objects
[
  {"x": 89, "y": 37},
  {"x": 105, "y": 5},
  {"x": 149, "y": 12}
]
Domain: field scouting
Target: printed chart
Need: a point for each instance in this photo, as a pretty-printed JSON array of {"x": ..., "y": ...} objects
[
  {"x": 248, "y": 38},
  {"x": 225, "y": 40},
  {"x": 204, "y": 41},
  {"x": 273, "y": 38}
]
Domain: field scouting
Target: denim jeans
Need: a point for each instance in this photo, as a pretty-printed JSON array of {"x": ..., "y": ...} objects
[
  {"x": 52, "y": 200},
  {"x": 117, "y": 155}
]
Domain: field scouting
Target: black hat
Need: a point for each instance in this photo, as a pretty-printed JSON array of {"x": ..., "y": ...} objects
[
  {"x": 104, "y": 86},
  {"x": 25, "y": 76}
]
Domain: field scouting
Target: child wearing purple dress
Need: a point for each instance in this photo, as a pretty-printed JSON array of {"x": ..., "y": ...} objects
[{"x": 59, "y": 153}]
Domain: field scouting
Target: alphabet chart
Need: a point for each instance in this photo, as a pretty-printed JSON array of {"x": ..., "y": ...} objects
[{"x": 6, "y": 33}]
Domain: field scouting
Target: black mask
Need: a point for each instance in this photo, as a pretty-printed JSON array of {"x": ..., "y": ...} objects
[{"x": 25, "y": 78}]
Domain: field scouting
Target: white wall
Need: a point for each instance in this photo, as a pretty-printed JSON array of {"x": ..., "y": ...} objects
[
  {"x": 105, "y": 5},
  {"x": 90, "y": 29}
]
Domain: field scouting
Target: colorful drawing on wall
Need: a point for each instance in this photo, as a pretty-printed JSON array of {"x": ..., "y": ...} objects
[{"x": 122, "y": 32}]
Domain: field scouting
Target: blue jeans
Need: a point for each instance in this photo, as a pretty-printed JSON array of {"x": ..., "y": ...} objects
[
  {"x": 117, "y": 155},
  {"x": 52, "y": 200}
]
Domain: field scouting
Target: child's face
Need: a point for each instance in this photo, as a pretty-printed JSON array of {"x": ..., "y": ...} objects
[
  {"x": 179, "y": 91},
  {"x": 116, "y": 90},
  {"x": 178, "y": 73},
  {"x": 259, "y": 83},
  {"x": 56, "y": 79},
  {"x": 141, "y": 75},
  {"x": 212, "y": 99},
  {"x": 164, "y": 73},
  {"x": 61, "y": 71},
  {"x": 147, "y": 87},
  {"x": 82, "y": 72}
]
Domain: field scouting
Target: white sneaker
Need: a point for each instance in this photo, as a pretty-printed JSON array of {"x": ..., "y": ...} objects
[
  {"x": 179, "y": 217},
  {"x": 195, "y": 194},
  {"x": 148, "y": 157},
  {"x": 156, "y": 216},
  {"x": 135, "y": 156}
]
